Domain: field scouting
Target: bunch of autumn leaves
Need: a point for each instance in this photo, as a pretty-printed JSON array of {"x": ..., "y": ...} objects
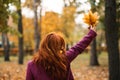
[{"x": 91, "y": 18}]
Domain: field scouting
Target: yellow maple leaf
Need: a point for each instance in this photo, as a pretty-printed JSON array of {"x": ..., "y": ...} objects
[{"x": 91, "y": 18}]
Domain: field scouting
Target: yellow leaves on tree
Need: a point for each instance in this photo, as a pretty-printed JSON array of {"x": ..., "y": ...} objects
[
  {"x": 28, "y": 33},
  {"x": 91, "y": 18},
  {"x": 50, "y": 22},
  {"x": 68, "y": 22},
  {"x": 69, "y": 12}
]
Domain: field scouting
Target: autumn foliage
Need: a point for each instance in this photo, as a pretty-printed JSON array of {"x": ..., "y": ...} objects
[{"x": 91, "y": 18}]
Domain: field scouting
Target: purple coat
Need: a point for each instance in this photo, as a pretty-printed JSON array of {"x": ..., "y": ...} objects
[{"x": 33, "y": 73}]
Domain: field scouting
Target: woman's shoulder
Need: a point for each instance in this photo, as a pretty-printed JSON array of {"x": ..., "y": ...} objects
[{"x": 30, "y": 62}]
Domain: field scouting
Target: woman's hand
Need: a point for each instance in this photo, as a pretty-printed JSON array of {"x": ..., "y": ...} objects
[{"x": 92, "y": 28}]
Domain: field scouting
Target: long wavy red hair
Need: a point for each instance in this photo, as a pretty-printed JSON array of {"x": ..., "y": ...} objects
[{"x": 51, "y": 56}]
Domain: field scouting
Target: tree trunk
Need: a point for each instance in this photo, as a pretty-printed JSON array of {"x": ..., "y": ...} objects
[
  {"x": 111, "y": 32},
  {"x": 93, "y": 54},
  {"x": 37, "y": 31},
  {"x": 6, "y": 46},
  {"x": 20, "y": 29},
  {"x": 93, "y": 51},
  {"x": 40, "y": 27}
]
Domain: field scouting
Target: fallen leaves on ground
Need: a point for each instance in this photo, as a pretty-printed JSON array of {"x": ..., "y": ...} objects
[
  {"x": 14, "y": 71},
  {"x": 91, "y": 73}
]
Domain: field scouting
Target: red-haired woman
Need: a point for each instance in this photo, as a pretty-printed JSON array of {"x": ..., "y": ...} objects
[{"x": 52, "y": 62}]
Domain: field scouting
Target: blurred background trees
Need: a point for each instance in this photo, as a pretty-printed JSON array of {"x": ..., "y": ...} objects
[
  {"x": 33, "y": 5},
  {"x": 93, "y": 52},
  {"x": 20, "y": 29},
  {"x": 4, "y": 29},
  {"x": 22, "y": 35}
]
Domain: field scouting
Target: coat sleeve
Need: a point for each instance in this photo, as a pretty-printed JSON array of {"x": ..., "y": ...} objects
[
  {"x": 29, "y": 75},
  {"x": 80, "y": 46}
]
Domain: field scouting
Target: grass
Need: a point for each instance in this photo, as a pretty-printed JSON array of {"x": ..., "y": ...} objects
[
  {"x": 82, "y": 71},
  {"x": 84, "y": 60},
  {"x": 81, "y": 60}
]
